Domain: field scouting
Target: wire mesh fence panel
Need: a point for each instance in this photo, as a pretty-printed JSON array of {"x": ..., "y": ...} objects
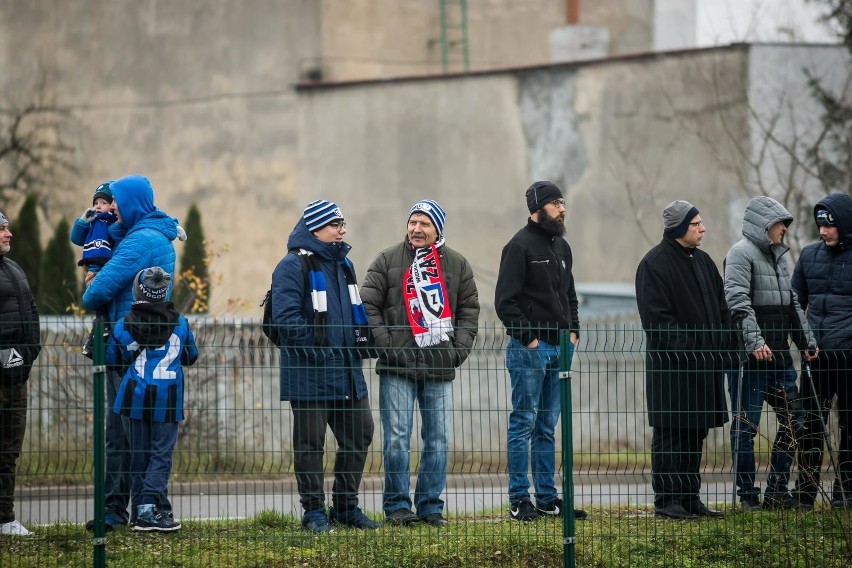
[{"x": 244, "y": 483}]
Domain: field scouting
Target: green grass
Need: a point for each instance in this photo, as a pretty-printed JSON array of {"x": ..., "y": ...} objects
[{"x": 611, "y": 537}]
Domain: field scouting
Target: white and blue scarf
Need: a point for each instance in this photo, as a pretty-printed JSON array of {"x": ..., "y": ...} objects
[{"x": 316, "y": 281}]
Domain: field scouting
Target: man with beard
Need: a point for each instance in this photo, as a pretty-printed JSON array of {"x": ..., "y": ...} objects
[
  {"x": 535, "y": 299},
  {"x": 681, "y": 301}
]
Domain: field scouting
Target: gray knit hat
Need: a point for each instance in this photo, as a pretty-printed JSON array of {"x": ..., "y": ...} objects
[
  {"x": 151, "y": 285},
  {"x": 676, "y": 217},
  {"x": 3, "y": 219}
]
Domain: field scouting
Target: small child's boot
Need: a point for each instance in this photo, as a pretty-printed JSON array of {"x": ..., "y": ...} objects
[{"x": 149, "y": 518}]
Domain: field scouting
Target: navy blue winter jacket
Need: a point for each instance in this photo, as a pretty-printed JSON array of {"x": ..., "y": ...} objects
[
  {"x": 823, "y": 279},
  {"x": 309, "y": 372}
]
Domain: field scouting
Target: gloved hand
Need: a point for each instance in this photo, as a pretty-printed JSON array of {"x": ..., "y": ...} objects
[
  {"x": 89, "y": 215},
  {"x": 181, "y": 233}
]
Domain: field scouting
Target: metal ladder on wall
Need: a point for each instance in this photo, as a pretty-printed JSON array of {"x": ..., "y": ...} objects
[{"x": 454, "y": 45}]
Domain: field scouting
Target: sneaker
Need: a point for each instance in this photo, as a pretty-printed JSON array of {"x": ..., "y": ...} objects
[
  {"x": 14, "y": 528},
  {"x": 110, "y": 522},
  {"x": 354, "y": 518},
  {"x": 402, "y": 517},
  {"x": 149, "y": 518},
  {"x": 554, "y": 508},
  {"x": 436, "y": 520},
  {"x": 750, "y": 502},
  {"x": 523, "y": 511},
  {"x": 841, "y": 504},
  {"x": 316, "y": 521},
  {"x": 778, "y": 500}
]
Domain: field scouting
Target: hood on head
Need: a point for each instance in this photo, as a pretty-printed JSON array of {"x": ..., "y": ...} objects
[
  {"x": 135, "y": 198},
  {"x": 151, "y": 324},
  {"x": 840, "y": 206},
  {"x": 760, "y": 214}
]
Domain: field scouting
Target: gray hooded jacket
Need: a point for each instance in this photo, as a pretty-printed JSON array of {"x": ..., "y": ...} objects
[{"x": 758, "y": 288}]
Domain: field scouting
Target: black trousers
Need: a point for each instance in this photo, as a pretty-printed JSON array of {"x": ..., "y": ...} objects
[
  {"x": 13, "y": 424},
  {"x": 351, "y": 422},
  {"x": 675, "y": 464},
  {"x": 832, "y": 376}
]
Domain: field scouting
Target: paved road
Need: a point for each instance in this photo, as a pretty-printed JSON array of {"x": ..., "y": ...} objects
[{"x": 465, "y": 494}]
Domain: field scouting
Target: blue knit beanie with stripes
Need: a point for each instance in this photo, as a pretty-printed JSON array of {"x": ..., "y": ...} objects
[
  {"x": 320, "y": 213},
  {"x": 434, "y": 212}
]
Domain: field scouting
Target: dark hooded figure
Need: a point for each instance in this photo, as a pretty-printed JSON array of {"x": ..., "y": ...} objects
[
  {"x": 822, "y": 280},
  {"x": 687, "y": 325}
]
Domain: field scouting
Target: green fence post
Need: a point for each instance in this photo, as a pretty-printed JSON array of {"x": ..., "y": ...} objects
[
  {"x": 99, "y": 370},
  {"x": 568, "y": 539}
]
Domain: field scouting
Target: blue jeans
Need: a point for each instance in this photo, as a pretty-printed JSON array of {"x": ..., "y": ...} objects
[
  {"x": 759, "y": 386},
  {"x": 396, "y": 401},
  {"x": 117, "y": 478},
  {"x": 532, "y": 423},
  {"x": 152, "y": 444}
]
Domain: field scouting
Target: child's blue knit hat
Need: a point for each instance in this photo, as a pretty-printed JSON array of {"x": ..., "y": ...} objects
[{"x": 103, "y": 191}]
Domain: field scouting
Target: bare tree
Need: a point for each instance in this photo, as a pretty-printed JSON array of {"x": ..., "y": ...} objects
[{"x": 33, "y": 155}]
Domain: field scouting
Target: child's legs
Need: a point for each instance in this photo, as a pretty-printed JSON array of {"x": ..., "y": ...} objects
[
  {"x": 139, "y": 436},
  {"x": 162, "y": 444}
]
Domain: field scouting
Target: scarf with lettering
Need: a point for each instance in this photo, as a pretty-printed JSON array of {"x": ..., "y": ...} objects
[{"x": 424, "y": 294}]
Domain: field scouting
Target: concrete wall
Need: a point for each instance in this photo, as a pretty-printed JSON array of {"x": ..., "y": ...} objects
[
  {"x": 196, "y": 95},
  {"x": 394, "y": 38},
  {"x": 619, "y": 137}
]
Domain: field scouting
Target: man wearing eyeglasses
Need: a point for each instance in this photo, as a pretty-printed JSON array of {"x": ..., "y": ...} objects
[
  {"x": 822, "y": 280},
  {"x": 322, "y": 329},
  {"x": 535, "y": 299},
  {"x": 681, "y": 301}
]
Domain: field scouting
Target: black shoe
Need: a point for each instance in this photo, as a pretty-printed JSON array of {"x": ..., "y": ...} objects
[
  {"x": 436, "y": 520},
  {"x": 523, "y": 511},
  {"x": 354, "y": 518},
  {"x": 700, "y": 509},
  {"x": 675, "y": 511},
  {"x": 750, "y": 502},
  {"x": 778, "y": 500},
  {"x": 402, "y": 517}
]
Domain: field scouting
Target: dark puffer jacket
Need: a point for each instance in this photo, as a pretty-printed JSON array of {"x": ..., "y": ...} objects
[
  {"x": 19, "y": 326},
  {"x": 822, "y": 279},
  {"x": 758, "y": 289},
  {"x": 310, "y": 372},
  {"x": 382, "y": 296}
]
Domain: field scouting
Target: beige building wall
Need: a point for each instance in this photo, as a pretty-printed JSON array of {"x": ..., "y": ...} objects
[
  {"x": 395, "y": 38},
  {"x": 619, "y": 137},
  {"x": 196, "y": 95}
]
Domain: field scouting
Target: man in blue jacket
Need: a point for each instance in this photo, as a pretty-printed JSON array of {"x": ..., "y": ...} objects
[
  {"x": 823, "y": 281},
  {"x": 147, "y": 242},
  {"x": 322, "y": 328}
]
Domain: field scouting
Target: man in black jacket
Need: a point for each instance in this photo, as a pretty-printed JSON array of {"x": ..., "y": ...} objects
[
  {"x": 681, "y": 301},
  {"x": 19, "y": 347},
  {"x": 822, "y": 280},
  {"x": 535, "y": 299}
]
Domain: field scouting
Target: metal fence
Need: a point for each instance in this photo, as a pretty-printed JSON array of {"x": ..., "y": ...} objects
[{"x": 234, "y": 488}]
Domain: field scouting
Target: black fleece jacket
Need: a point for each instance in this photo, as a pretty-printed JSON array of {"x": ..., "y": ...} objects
[{"x": 535, "y": 296}]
